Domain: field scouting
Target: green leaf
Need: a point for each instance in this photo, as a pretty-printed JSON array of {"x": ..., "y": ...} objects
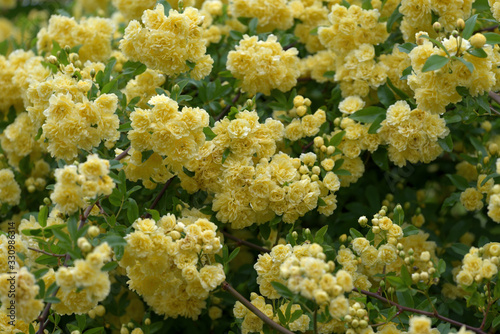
[
  {"x": 376, "y": 124},
  {"x": 82, "y": 321},
  {"x": 209, "y": 134},
  {"x": 225, "y": 154},
  {"x": 458, "y": 181},
  {"x": 452, "y": 199},
  {"x": 109, "y": 266},
  {"x": 446, "y": 143},
  {"x": 490, "y": 176},
  {"x": 52, "y": 300},
  {"x": 320, "y": 235},
  {"x": 282, "y": 290},
  {"x": 441, "y": 267},
  {"x": 281, "y": 317},
  {"x": 460, "y": 249},
  {"x": 405, "y": 276},
  {"x": 407, "y": 47},
  {"x": 397, "y": 282},
  {"x": 252, "y": 26},
  {"x": 385, "y": 95},
  {"x": 132, "y": 211},
  {"x": 295, "y": 315},
  {"x": 368, "y": 115},
  {"x": 190, "y": 64},
  {"x": 395, "y": 16},
  {"x": 380, "y": 159},
  {"x": 329, "y": 74},
  {"x": 188, "y": 172},
  {"x": 469, "y": 26},
  {"x": 337, "y": 139},
  {"x": 468, "y": 64},
  {"x": 233, "y": 254},
  {"x": 435, "y": 62},
  {"x": 355, "y": 233},
  {"x": 410, "y": 230},
  {"x": 4, "y": 47},
  {"x": 43, "y": 215},
  {"x": 97, "y": 330},
  {"x": 288, "y": 312},
  {"x": 492, "y": 38},
  {"x": 405, "y": 298},
  {"x": 478, "y": 146},
  {"x": 154, "y": 214},
  {"x": 477, "y": 52}
]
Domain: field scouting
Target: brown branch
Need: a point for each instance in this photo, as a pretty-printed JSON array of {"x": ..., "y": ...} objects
[
  {"x": 245, "y": 243},
  {"x": 123, "y": 154},
  {"x": 492, "y": 28},
  {"x": 159, "y": 196},
  {"x": 226, "y": 109},
  {"x": 46, "y": 253},
  {"x": 306, "y": 147},
  {"x": 226, "y": 286},
  {"x": 494, "y": 96},
  {"x": 413, "y": 310}
]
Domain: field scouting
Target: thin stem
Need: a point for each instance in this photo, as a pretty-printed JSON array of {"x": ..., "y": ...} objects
[
  {"x": 315, "y": 319},
  {"x": 123, "y": 154},
  {"x": 159, "y": 196},
  {"x": 246, "y": 243},
  {"x": 305, "y": 148},
  {"x": 413, "y": 310},
  {"x": 487, "y": 28},
  {"x": 485, "y": 314},
  {"x": 226, "y": 286},
  {"x": 46, "y": 253},
  {"x": 494, "y": 96},
  {"x": 226, "y": 109}
]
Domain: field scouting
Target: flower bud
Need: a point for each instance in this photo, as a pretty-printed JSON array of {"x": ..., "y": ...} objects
[
  {"x": 93, "y": 231},
  {"x": 147, "y": 322},
  {"x": 437, "y": 27},
  {"x": 301, "y": 111},
  {"x": 478, "y": 40},
  {"x": 460, "y": 24}
]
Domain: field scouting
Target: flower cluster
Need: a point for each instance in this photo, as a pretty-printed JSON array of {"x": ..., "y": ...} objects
[
  {"x": 312, "y": 14},
  {"x": 74, "y": 185},
  {"x": 10, "y": 192},
  {"x": 27, "y": 307},
  {"x": 83, "y": 285},
  {"x": 434, "y": 90},
  {"x": 94, "y": 34},
  {"x": 178, "y": 135},
  {"x": 151, "y": 171},
  {"x": 271, "y": 14},
  {"x": 131, "y": 9},
  {"x": 412, "y": 135},
  {"x": 144, "y": 86},
  {"x": 180, "y": 38},
  {"x": 305, "y": 125},
  {"x": 479, "y": 264},
  {"x": 251, "y": 323},
  {"x": 263, "y": 65},
  {"x": 171, "y": 263}
]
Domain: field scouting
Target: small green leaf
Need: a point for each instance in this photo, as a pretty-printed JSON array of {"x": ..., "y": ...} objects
[
  {"x": 395, "y": 16},
  {"x": 188, "y": 172},
  {"x": 477, "y": 52},
  {"x": 407, "y": 47},
  {"x": 282, "y": 290},
  {"x": 190, "y": 64},
  {"x": 281, "y": 317},
  {"x": 154, "y": 214},
  {"x": 446, "y": 143},
  {"x": 225, "y": 154},
  {"x": 109, "y": 266},
  {"x": 405, "y": 276},
  {"x": 233, "y": 254},
  {"x": 492, "y": 38},
  {"x": 460, "y": 249},
  {"x": 469, "y": 27},
  {"x": 458, "y": 181},
  {"x": 296, "y": 315},
  {"x": 441, "y": 267},
  {"x": 368, "y": 115},
  {"x": 252, "y": 26},
  {"x": 380, "y": 159},
  {"x": 52, "y": 300},
  {"x": 376, "y": 124},
  {"x": 468, "y": 64},
  {"x": 410, "y": 230},
  {"x": 397, "y": 282},
  {"x": 132, "y": 211},
  {"x": 337, "y": 139},
  {"x": 435, "y": 62},
  {"x": 355, "y": 233},
  {"x": 43, "y": 215},
  {"x": 320, "y": 235},
  {"x": 209, "y": 134}
]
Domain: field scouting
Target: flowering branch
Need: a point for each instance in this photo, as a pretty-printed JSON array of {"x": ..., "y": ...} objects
[
  {"x": 246, "y": 243},
  {"x": 226, "y": 286},
  {"x": 42, "y": 319},
  {"x": 226, "y": 109},
  {"x": 402, "y": 308}
]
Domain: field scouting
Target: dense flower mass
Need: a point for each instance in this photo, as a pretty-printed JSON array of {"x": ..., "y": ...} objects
[
  {"x": 168, "y": 43},
  {"x": 216, "y": 160},
  {"x": 263, "y": 65}
]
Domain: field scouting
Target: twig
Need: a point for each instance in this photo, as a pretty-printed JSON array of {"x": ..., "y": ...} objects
[
  {"x": 246, "y": 243},
  {"x": 226, "y": 286},
  {"x": 487, "y": 28},
  {"x": 494, "y": 96},
  {"x": 123, "y": 154},
  {"x": 494, "y": 110},
  {"x": 159, "y": 196},
  {"x": 226, "y": 109},
  {"x": 305, "y": 148},
  {"x": 289, "y": 46},
  {"x": 413, "y": 310},
  {"x": 46, "y": 253}
]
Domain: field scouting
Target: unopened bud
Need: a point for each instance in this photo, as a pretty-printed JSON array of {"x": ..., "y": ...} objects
[
  {"x": 460, "y": 24},
  {"x": 478, "y": 40},
  {"x": 437, "y": 27}
]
